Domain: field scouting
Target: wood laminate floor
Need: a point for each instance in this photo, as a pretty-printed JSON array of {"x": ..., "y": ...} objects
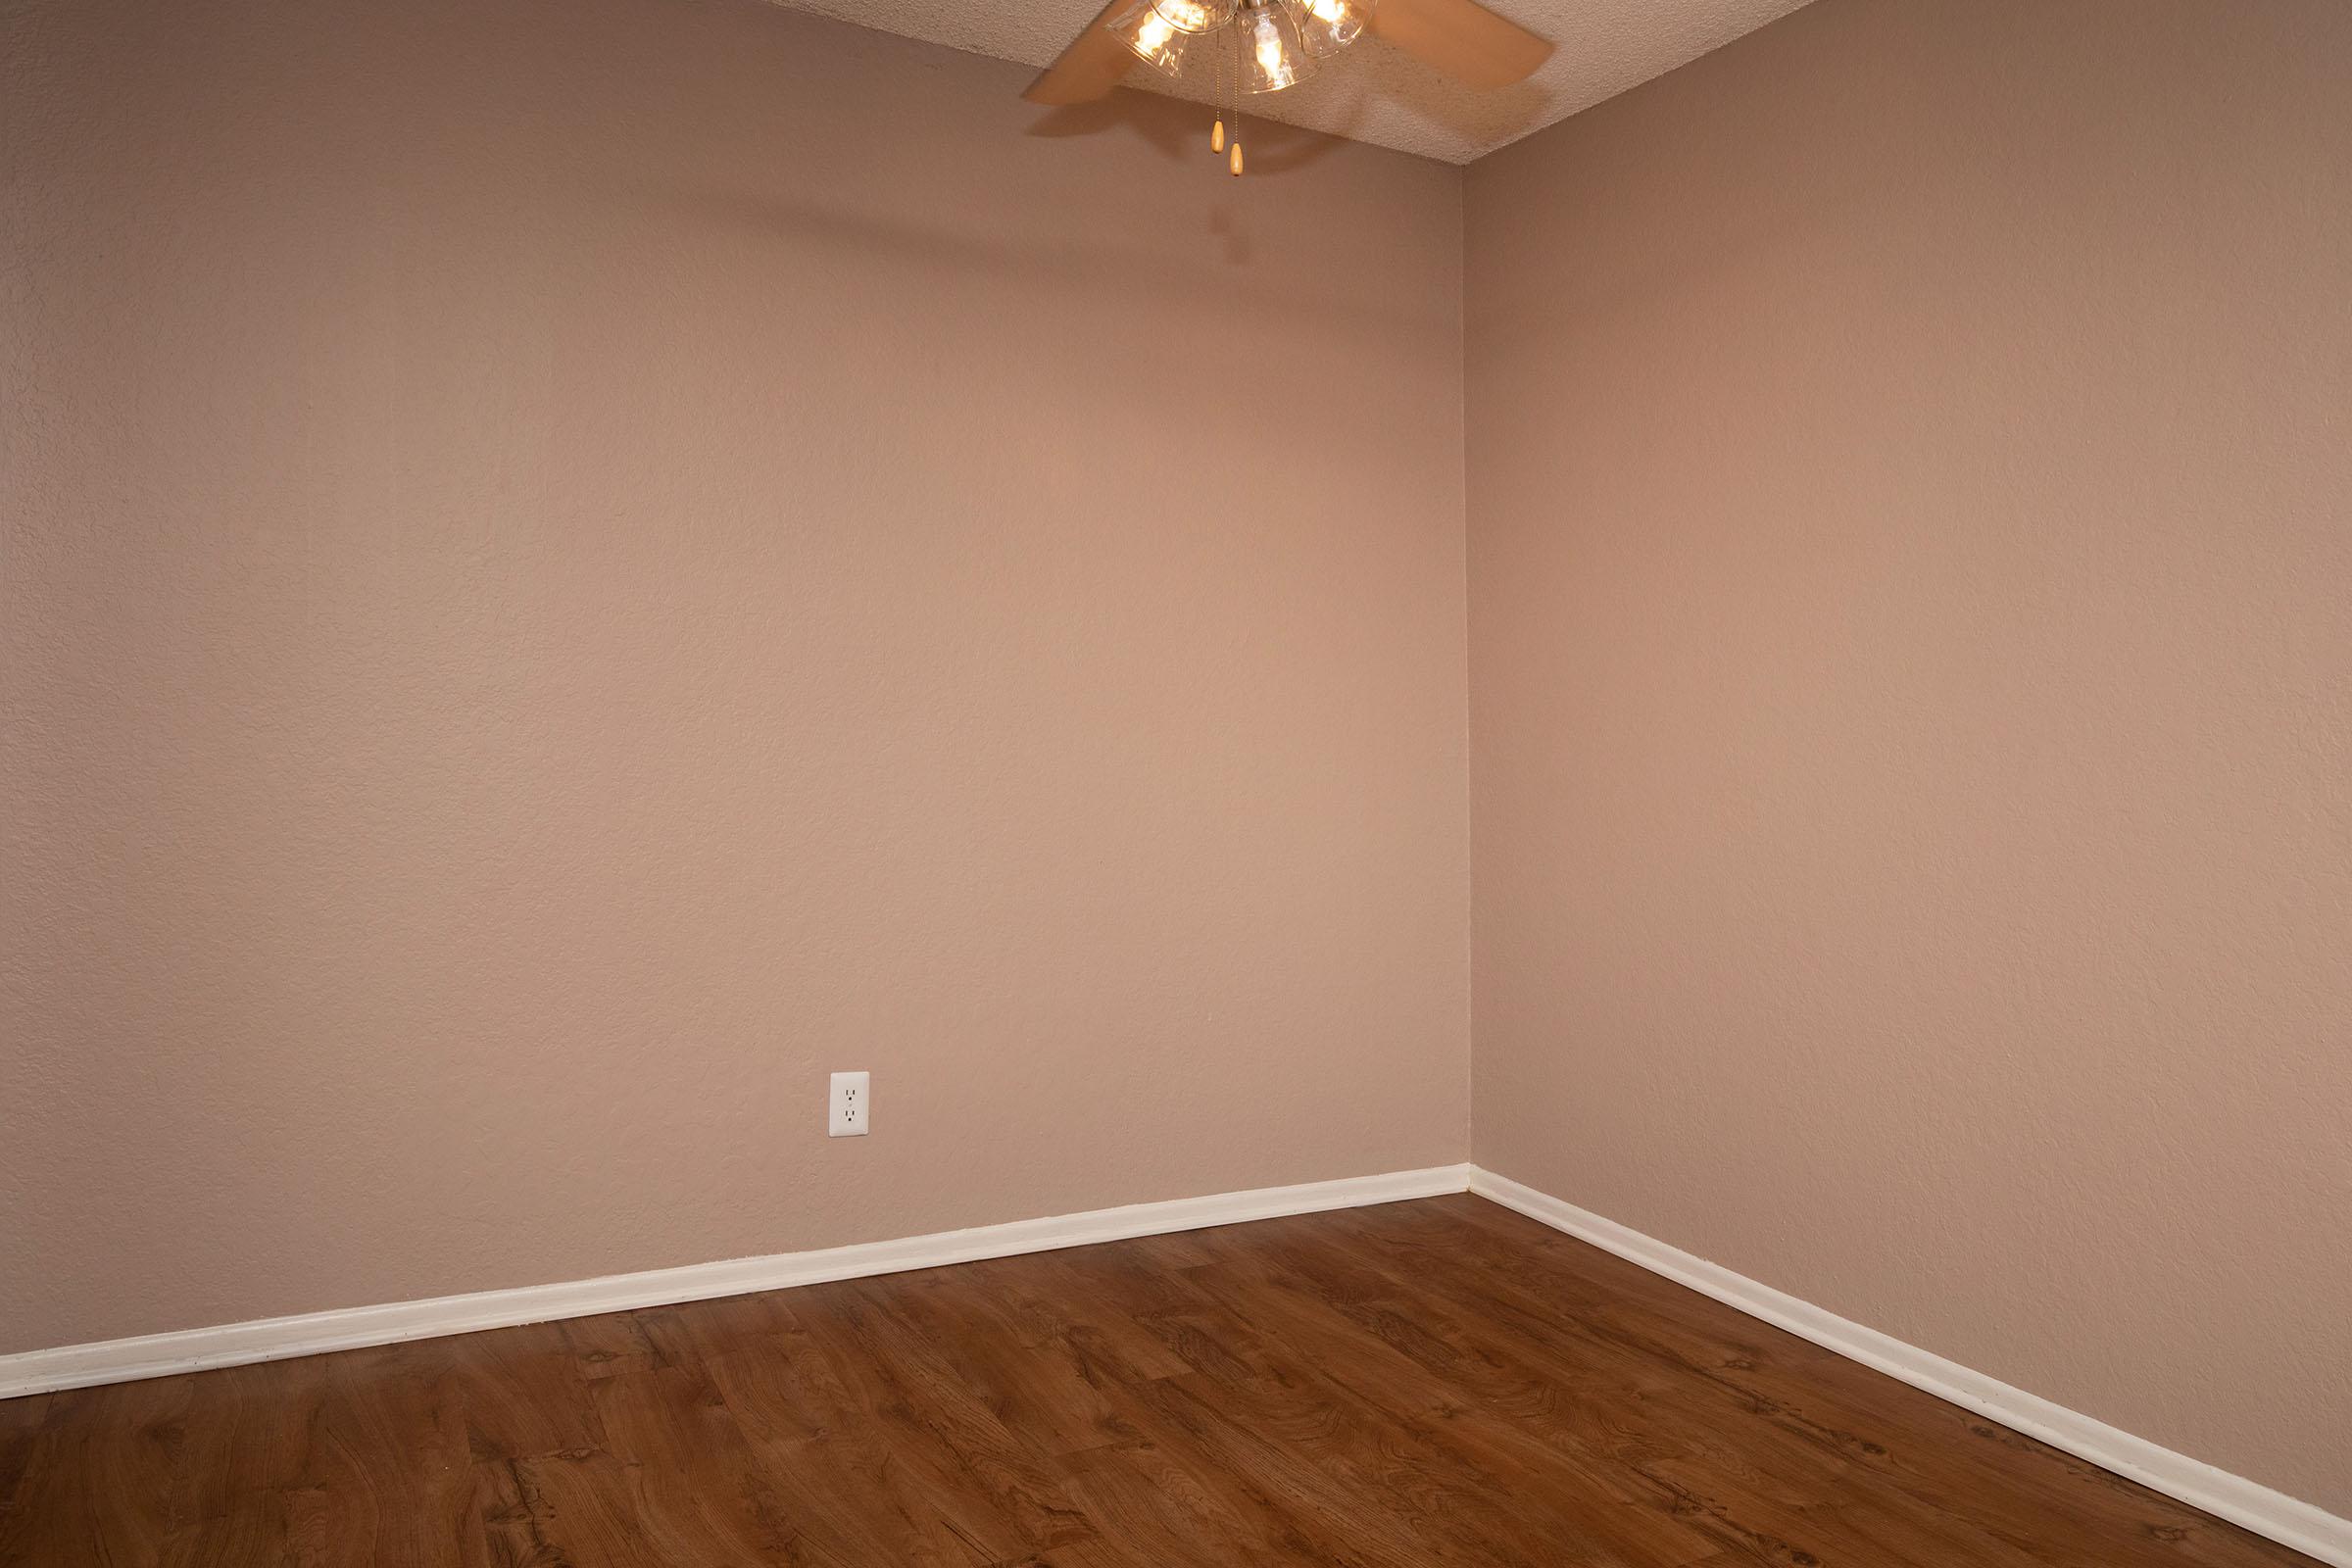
[{"x": 1436, "y": 1383}]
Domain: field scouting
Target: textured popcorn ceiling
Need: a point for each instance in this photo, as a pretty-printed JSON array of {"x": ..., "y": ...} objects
[{"x": 1373, "y": 92}]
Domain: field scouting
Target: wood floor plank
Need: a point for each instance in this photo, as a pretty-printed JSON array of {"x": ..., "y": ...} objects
[
  {"x": 388, "y": 1480},
  {"x": 1159, "y": 1506},
  {"x": 609, "y": 1344},
  {"x": 1437, "y": 1384},
  {"x": 1326, "y": 1390},
  {"x": 884, "y": 1384},
  {"x": 1042, "y": 1389},
  {"x": 99, "y": 1483},
  {"x": 889, "y": 1490},
  {"x": 21, "y": 1423},
  {"x": 581, "y": 1510},
  {"x": 698, "y": 1331},
  {"x": 249, "y": 1430},
  {"x": 1908, "y": 1442},
  {"x": 2002, "y": 1483},
  {"x": 1386, "y": 1490},
  {"x": 500, "y": 1530},
  {"x": 520, "y": 1390},
  {"x": 697, "y": 1493}
]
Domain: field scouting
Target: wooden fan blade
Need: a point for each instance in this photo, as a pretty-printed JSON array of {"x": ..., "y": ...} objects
[
  {"x": 1462, "y": 38},
  {"x": 1088, "y": 68}
]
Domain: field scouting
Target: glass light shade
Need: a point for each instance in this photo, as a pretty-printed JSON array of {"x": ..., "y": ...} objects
[
  {"x": 1272, "y": 57},
  {"x": 1142, "y": 28},
  {"x": 1327, "y": 27},
  {"x": 1194, "y": 15}
]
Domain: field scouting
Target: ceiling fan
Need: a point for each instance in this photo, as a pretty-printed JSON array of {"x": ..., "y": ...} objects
[{"x": 1256, "y": 46}]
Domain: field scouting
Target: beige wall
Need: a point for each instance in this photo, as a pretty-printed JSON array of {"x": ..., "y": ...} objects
[
  {"x": 1910, "y": 474},
  {"x": 571, "y": 566}
]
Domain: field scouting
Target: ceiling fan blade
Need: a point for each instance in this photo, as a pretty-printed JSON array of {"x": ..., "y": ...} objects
[
  {"x": 1088, "y": 68},
  {"x": 1461, "y": 39}
]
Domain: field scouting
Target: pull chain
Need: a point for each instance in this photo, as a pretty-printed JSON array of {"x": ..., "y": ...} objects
[
  {"x": 1233, "y": 60},
  {"x": 1219, "y": 140},
  {"x": 1216, "y": 132}
]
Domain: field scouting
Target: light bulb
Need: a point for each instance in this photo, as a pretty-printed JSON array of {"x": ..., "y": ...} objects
[
  {"x": 1142, "y": 28},
  {"x": 1270, "y": 61},
  {"x": 1195, "y": 16},
  {"x": 1272, "y": 58},
  {"x": 1327, "y": 27}
]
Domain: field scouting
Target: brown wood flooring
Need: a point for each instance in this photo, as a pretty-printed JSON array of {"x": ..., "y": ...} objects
[{"x": 1436, "y": 1383}]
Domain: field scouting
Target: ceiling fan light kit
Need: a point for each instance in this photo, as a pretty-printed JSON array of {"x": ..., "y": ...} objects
[
  {"x": 1258, "y": 45},
  {"x": 1262, "y": 46}
]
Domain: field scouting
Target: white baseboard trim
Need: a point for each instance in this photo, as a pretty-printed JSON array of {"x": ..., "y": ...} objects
[
  {"x": 2271, "y": 1514},
  {"x": 156, "y": 1355}
]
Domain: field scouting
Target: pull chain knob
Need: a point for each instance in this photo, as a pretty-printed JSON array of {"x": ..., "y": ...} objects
[
  {"x": 1237, "y": 159},
  {"x": 1217, "y": 138}
]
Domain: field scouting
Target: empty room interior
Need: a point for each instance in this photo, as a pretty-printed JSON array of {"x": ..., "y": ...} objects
[{"x": 1232, "y": 783}]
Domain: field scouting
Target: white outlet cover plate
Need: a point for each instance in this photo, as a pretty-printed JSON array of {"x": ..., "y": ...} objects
[{"x": 851, "y": 1112}]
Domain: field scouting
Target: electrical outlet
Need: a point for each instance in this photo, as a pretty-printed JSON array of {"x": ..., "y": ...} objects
[{"x": 853, "y": 1106}]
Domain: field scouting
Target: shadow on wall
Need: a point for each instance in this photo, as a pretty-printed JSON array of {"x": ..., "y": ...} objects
[
  {"x": 1180, "y": 132},
  {"x": 1226, "y": 220}
]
